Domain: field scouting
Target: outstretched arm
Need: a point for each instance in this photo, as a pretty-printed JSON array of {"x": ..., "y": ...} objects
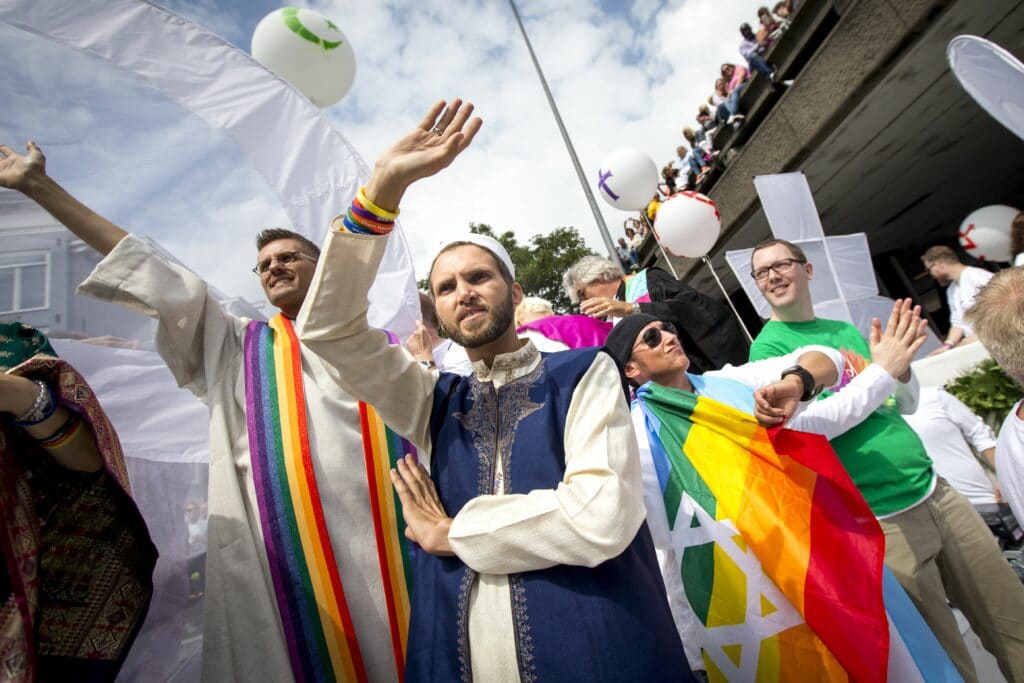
[
  {"x": 26, "y": 173},
  {"x": 332, "y": 322}
]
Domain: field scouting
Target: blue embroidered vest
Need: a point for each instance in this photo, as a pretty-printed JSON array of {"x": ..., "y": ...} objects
[{"x": 607, "y": 623}]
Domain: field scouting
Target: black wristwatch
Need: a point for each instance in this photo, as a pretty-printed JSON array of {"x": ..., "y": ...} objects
[{"x": 810, "y": 391}]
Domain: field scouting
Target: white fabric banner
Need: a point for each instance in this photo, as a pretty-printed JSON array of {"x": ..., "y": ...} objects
[
  {"x": 310, "y": 166},
  {"x": 992, "y": 76}
]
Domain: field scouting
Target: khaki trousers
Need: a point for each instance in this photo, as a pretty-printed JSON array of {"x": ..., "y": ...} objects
[{"x": 943, "y": 548}]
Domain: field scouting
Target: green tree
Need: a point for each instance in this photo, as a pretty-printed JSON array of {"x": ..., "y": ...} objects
[{"x": 541, "y": 262}]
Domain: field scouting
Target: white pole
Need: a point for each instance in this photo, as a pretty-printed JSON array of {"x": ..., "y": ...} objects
[{"x": 750, "y": 340}]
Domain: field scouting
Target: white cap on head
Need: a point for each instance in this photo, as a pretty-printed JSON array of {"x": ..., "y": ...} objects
[{"x": 489, "y": 243}]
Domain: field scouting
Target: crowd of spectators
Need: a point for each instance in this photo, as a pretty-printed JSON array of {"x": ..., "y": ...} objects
[
  {"x": 696, "y": 157},
  {"x": 628, "y": 248}
]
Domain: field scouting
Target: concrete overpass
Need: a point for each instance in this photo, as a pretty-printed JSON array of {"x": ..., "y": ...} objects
[{"x": 890, "y": 143}]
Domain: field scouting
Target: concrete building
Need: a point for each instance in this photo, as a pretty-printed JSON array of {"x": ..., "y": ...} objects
[
  {"x": 890, "y": 143},
  {"x": 41, "y": 265}
]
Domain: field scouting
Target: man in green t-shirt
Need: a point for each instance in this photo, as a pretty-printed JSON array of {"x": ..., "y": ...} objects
[{"x": 937, "y": 545}]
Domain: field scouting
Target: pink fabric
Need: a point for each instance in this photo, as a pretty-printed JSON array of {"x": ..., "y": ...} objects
[{"x": 575, "y": 331}]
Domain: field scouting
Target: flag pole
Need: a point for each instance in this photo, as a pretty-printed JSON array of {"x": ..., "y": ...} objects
[
  {"x": 746, "y": 332},
  {"x": 602, "y": 228}
]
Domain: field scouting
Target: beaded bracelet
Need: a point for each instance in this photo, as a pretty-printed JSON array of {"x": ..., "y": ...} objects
[
  {"x": 63, "y": 434},
  {"x": 42, "y": 408}
]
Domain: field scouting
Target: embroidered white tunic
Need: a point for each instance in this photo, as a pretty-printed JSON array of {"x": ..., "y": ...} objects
[
  {"x": 591, "y": 516},
  {"x": 202, "y": 345}
]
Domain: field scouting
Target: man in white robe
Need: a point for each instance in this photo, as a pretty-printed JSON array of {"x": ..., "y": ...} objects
[{"x": 202, "y": 345}]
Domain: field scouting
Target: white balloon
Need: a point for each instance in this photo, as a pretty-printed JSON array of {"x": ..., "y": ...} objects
[
  {"x": 627, "y": 179},
  {"x": 307, "y": 50},
  {"x": 985, "y": 233},
  {"x": 688, "y": 224}
]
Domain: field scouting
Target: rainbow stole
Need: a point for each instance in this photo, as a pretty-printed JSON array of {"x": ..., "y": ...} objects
[
  {"x": 636, "y": 287},
  {"x": 319, "y": 633},
  {"x": 781, "y": 558}
]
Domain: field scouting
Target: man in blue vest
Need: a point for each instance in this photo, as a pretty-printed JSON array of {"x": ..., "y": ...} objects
[{"x": 537, "y": 562}]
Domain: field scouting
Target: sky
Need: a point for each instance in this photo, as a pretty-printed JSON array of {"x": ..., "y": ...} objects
[{"x": 623, "y": 75}]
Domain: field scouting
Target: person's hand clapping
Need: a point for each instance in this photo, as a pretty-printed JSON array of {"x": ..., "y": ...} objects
[{"x": 904, "y": 334}]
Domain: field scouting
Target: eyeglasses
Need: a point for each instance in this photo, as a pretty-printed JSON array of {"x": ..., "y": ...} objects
[
  {"x": 781, "y": 267},
  {"x": 284, "y": 258},
  {"x": 652, "y": 335}
]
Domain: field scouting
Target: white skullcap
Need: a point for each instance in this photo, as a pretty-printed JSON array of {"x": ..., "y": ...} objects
[{"x": 489, "y": 243}]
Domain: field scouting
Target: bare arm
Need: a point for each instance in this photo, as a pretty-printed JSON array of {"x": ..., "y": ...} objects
[{"x": 26, "y": 173}]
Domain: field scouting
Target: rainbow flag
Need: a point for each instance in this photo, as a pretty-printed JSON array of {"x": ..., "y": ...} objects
[
  {"x": 781, "y": 558},
  {"x": 319, "y": 633}
]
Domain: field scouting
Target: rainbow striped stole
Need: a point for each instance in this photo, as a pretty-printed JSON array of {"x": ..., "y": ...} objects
[
  {"x": 382, "y": 448},
  {"x": 320, "y": 637},
  {"x": 636, "y": 287},
  {"x": 781, "y": 558}
]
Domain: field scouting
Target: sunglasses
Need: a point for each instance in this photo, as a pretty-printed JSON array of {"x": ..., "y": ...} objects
[{"x": 652, "y": 335}]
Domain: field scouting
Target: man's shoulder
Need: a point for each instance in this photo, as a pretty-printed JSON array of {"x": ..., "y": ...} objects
[
  {"x": 556, "y": 360},
  {"x": 976, "y": 276}
]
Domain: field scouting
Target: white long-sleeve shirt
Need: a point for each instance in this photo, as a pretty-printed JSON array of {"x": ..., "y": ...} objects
[
  {"x": 961, "y": 293},
  {"x": 946, "y": 426},
  {"x": 1010, "y": 462}
]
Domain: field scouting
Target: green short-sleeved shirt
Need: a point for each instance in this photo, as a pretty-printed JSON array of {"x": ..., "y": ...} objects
[{"x": 883, "y": 455}]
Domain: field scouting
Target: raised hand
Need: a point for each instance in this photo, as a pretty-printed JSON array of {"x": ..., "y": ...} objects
[
  {"x": 419, "y": 343},
  {"x": 427, "y": 524},
  {"x": 428, "y": 148},
  {"x": 904, "y": 334},
  {"x": 16, "y": 170}
]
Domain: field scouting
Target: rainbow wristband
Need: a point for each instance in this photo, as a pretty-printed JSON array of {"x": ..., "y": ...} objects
[
  {"x": 348, "y": 226},
  {"x": 363, "y": 217},
  {"x": 64, "y": 433},
  {"x": 382, "y": 214},
  {"x": 373, "y": 226}
]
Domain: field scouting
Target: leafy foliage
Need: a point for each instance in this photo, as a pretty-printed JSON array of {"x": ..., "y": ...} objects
[
  {"x": 986, "y": 390},
  {"x": 541, "y": 262}
]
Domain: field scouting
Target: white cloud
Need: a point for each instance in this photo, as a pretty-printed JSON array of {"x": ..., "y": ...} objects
[{"x": 632, "y": 77}]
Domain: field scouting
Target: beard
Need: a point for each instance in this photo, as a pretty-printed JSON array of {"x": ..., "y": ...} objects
[{"x": 490, "y": 328}]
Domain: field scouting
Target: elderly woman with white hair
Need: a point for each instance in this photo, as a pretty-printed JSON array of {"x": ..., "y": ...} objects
[{"x": 706, "y": 327}]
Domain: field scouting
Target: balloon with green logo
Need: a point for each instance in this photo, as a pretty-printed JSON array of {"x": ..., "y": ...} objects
[{"x": 307, "y": 50}]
